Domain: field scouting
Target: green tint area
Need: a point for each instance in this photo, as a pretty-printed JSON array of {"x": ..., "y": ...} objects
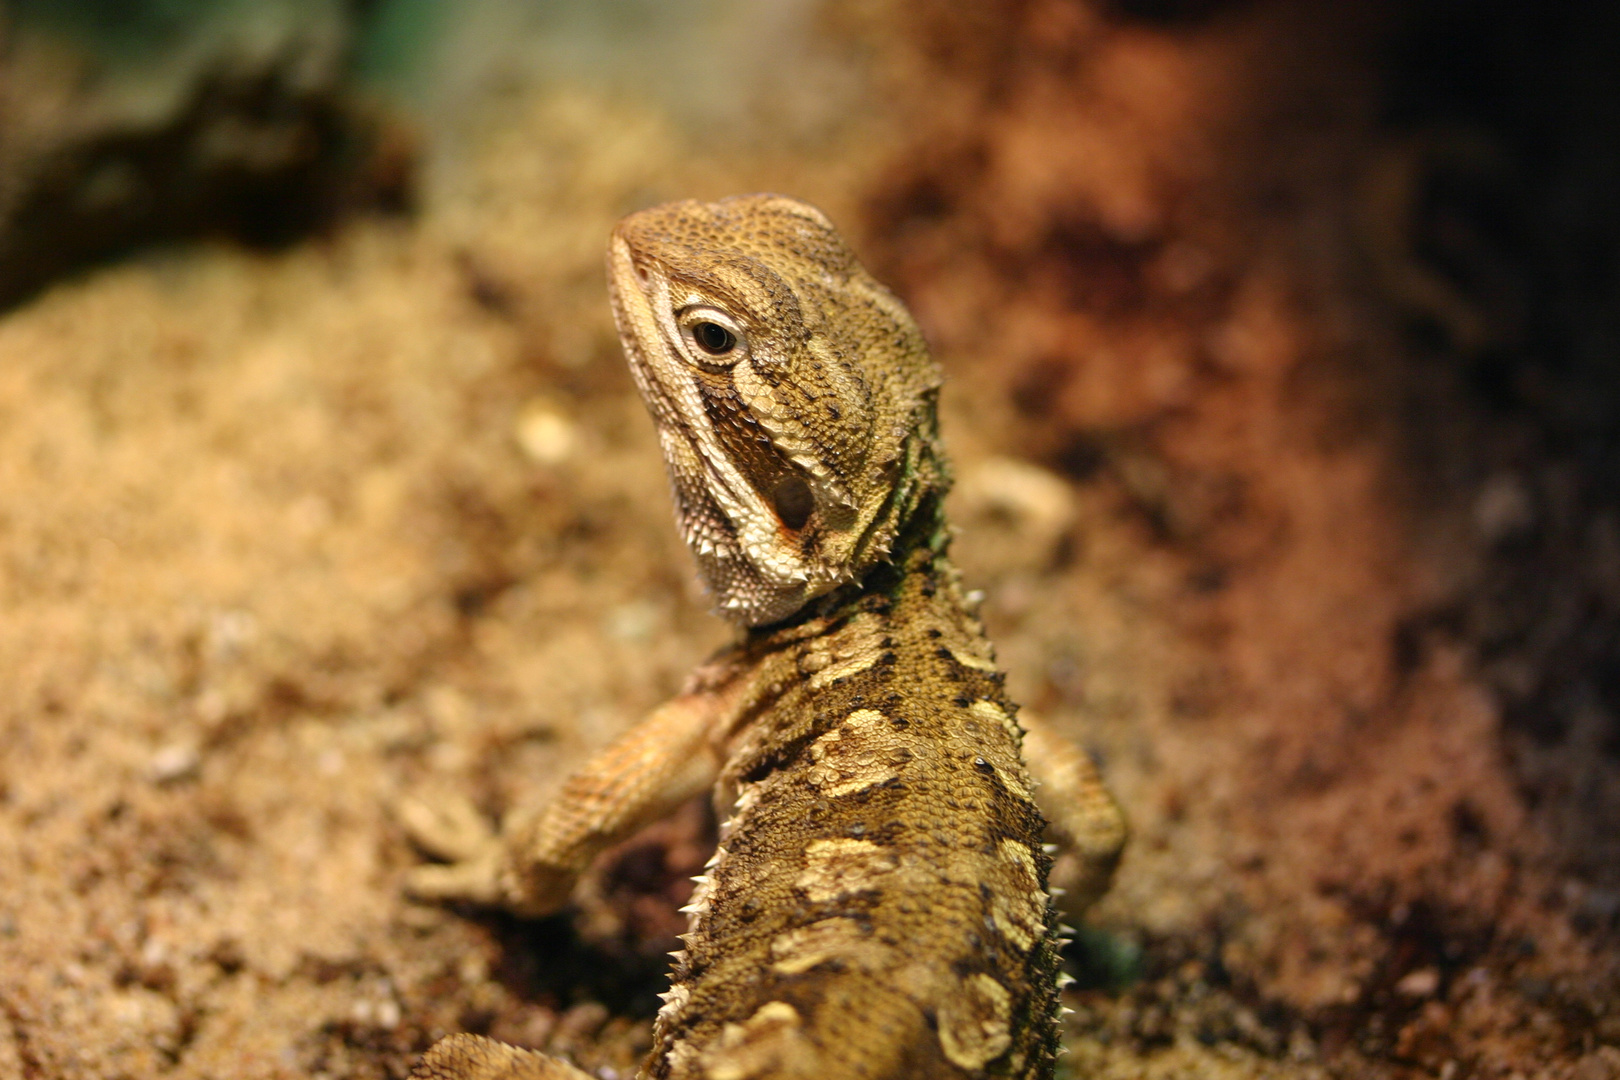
[
  {"x": 143, "y": 30},
  {"x": 394, "y": 38},
  {"x": 119, "y": 25},
  {"x": 389, "y": 38}
]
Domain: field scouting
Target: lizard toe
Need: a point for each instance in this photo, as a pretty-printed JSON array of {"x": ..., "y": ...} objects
[
  {"x": 475, "y": 881},
  {"x": 448, "y": 828}
]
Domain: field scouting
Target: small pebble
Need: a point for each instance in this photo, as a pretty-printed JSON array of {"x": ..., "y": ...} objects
[
  {"x": 544, "y": 434},
  {"x": 635, "y": 621},
  {"x": 1421, "y": 983},
  {"x": 378, "y": 1014},
  {"x": 177, "y": 761},
  {"x": 1503, "y": 509}
]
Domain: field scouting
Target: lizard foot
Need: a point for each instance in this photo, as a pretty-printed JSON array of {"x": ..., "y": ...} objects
[{"x": 452, "y": 829}]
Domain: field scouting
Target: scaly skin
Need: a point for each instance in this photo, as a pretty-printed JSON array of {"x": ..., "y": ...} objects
[{"x": 878, "y": 906}]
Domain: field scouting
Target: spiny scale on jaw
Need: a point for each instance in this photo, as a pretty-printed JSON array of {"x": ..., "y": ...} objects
[{"x": 797, "y": 453}]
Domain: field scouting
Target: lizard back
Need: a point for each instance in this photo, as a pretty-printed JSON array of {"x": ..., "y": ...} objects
[{"x": 876, "y": 907}]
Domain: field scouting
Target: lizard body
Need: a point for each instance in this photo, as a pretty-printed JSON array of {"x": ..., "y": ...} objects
[{"x": 878, "y": 905}]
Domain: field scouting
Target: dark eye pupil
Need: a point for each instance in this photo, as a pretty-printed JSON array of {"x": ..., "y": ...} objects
[{"x": 714, "y": 338}]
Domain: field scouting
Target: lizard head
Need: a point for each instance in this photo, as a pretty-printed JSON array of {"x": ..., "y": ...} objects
[{"x": 793, "y": 395}]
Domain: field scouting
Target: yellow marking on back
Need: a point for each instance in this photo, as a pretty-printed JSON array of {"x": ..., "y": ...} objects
[
  {"x": 797, "y": 951},
  {"x": 843, "y": 771},
  {"x": 835, "y": 868},
  {"x": 1020, "y": 913},
  {"x": 854, "y": 649},
  {"x": 1015, "y": 780},
  {"x": 968, "y": 658},
  {"x": 974, "y": 1024},
  {"x": 758, "y": 1046},
  {"x": 989, "y": 710}
]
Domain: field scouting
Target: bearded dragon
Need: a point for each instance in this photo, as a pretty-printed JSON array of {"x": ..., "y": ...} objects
[{"x": 879, "y": 904}]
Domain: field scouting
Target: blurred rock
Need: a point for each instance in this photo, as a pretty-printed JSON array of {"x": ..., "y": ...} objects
[
  {"x": 123, "y": 125},
  {"x": 1016, "y": 513},
  {"x": 1601, "y": 1064},
  {"x": 545, "y": 433},
  {"x": 1503, "y": 509}
]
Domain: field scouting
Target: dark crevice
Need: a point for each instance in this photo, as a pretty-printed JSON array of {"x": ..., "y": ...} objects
[{"x": 1511, "y": 115}]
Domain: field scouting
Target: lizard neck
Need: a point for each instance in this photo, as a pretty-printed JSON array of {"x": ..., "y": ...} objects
[{"x": 920, "y": 547}]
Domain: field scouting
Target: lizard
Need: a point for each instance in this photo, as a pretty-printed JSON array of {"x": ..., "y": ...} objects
[{"x": 879, "y": 904}]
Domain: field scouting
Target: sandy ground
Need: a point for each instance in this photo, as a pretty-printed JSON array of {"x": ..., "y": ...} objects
[{"x": 282, "y": 537}]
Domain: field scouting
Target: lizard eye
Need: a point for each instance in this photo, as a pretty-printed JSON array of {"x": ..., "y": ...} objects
[
  {"x": 713, "y": 338},
  {"x": 711, "y": 334}
]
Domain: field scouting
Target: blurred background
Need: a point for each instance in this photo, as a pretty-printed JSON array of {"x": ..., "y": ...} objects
[{"x": 1283, "y": 346}]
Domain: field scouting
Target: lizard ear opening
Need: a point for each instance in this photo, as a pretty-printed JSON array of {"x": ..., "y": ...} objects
[{"x": 794, "y": 502}]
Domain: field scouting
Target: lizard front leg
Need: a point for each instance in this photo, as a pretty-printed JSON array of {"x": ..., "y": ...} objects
[
  {"x": 1082, "y": 817},
  {"x": 532, "y": 866}
]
